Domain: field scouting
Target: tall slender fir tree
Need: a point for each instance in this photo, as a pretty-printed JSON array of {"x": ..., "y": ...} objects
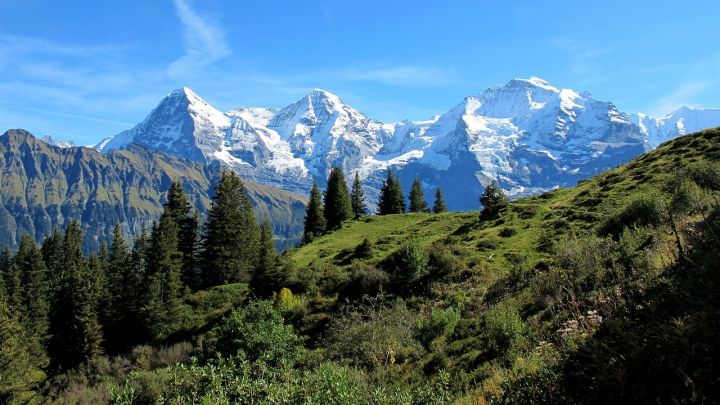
[
  {"x": 338, "y": 207},
  {"x": 439, "y": 205},
  {"x": 314, "y": 216},
  {"x": 267, "y": 277},
  {"x": 357, "y": 197},
  {"x": 417, "y": 197},
  {"x": 392, "y": 200}
]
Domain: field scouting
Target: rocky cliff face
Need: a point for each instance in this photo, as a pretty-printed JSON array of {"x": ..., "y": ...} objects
[{"x": 45, "y": 187}]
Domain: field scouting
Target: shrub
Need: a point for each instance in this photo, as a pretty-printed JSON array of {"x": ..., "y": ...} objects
[
  {"x": 364, "y": 249},
  {"x": 645, "y": 210},
  {"x": 687, "y": 196},
  {"x": 366, "y": 280},
  {"x": 443, "y": 264},
  {"x": 706, "y": 175},
  {"x": 507, "y": 232},
  {"x": 440, "y": 323},
  {"x": 504, "y": 325},
  {"x": 493, "y": 200},
  {"x": 408, "y": 265},
  {"x": 259, "y": 332}
]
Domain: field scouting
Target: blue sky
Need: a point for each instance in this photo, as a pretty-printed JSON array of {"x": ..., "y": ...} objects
[{"x": 82, "y": 70}]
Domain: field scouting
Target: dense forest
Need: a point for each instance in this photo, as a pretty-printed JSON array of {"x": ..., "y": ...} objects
[{"x": 605, "y": 292}]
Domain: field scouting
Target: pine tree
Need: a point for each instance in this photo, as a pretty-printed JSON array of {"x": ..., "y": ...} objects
[
  {"x": 231, "y": 235},
  {"x": 417, "y": 197},
  {"x": 357, "y": 197},
  {"x": 163, "y": 300},
  {"x": 182, "y": 212},
  {"x": 76, "y": 334},
  {"x": 439, "y": 205},
  {"x": 267, "y": 277},
  {"x": 392, "y": 200},
  {"x": 35, "y": 306},
  {"x": 19, "y": 374},
  {"x": 314, "y": 216},
  {"x": 338, "y": 207},
  {"x": 493, "y": 200},
  {"x": 5, "y": 270}
]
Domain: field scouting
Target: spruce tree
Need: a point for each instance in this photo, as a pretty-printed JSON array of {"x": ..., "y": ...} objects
[
  {"x": 53, "y": 255},
  {"x": 121, "y": 287},
  {"x": 163, "y": 299},
  {"x": 392, "y": 200},
  {"x": 76, "y": 334},
  {"x": 314, "y": 216},
  {"x": 230, "y": 241},
  {"x": 182, "y": 212},
  {"x": 338, "y": 207},
  {"x": 34, "y": 314},
  {"x": 357, "y": 197},
  {"x": 493, "y": 200},
  {"x": 5, "y": 270},
  {"x": 267, "y": 277},
  {"x": 417, "y": 197},
  {"x": 19, "y": 374},
  {"x": 439, "y": 205}
]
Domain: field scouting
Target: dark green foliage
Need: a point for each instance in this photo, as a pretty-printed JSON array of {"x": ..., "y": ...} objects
[
  {"x": 230, "y": 243},
  {"x": 364, "y": 249},
  {"x": 366, "y": 280},
  {"x": 439, "y": 205},
  {"x": 183, "y": 214},
  {"x": 392, "y": 200},
  {"x": 162, "y": 303},
  {"x": 314, "y": 216},
  {"x": 337, "y": 204},
  {"x": 257, "y": 332},
  {"x": 357, "y": 197},
  {"x": 507, "y": 232},
  {"x": 409, "y": 267},
  {"x": 417, "y": 198},
  {"x": 440, "y": 324},
  {"x": 493, "y": 200},
  {"x": 19, "y": 373},
  {"x": 53, "y": 254},
  {"x": 35, "y": 304},
  {"x": 706, "y": 175},
  {"x": 75, "y": 325},
  {"x": 645, "y": 210},
  {"x": 268, "y": 277}
]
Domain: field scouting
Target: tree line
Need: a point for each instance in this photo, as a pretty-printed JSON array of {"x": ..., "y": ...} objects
[
  {"x": 59, "y": 308},
  {"x": 327, "y": 211}
]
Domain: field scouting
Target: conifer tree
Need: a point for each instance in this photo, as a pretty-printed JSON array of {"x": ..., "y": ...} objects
[
  {"x": 121, "y": 291},
  {"x": 392, "y": 200},
  {"x": 338, "y": 207},
  {"x": 493, "y": 200},
  {"x": 19, "y": 374},
  {"x": 35, "y": 307},
  {"x": 314, "y": 216},
  {"x": 76, "y": 334},
  {"x": 182, "y": 212},
  {"x": 357, "y": 197},
  {"x": 439, "y": 205},
  {"x": 163, "y": 300},
  {"x": 417, "y": 197},
  {"x": 53, "y": 254},
  {"x": 230, "y": 243},
  {"x": 267, "y": 277}
]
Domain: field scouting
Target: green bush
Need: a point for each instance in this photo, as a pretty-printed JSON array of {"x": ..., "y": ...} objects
[
  {"x": 503, "y": 325},
  {"x": 364, "y": 250},
  {"x": 507, "y": 232},
  {"x": 258, "y": 331},
  {"x": 440, "y": 323},
  {"x": 645, "y": 210},
  {"x": 408, "y": 266},
  {"x": 706, "y": 175}
]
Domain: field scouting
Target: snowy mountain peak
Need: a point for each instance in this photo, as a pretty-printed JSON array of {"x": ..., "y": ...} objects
[{"x": 48, "y": 139}]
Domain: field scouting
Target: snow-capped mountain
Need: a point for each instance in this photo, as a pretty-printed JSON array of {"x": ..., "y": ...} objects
[
  {"x": 48, "y": 139},
  {"x": 527, "y": 135},
  {"x": 683, "y": 121}
]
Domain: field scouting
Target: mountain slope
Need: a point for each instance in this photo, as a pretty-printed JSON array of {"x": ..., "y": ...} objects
[
  {"x": 45, "y": 187},
  {"x": 527, "y": 135}
]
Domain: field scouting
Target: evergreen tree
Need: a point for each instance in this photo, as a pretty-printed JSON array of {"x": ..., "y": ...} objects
[
  {"x": 357, "y": 197},
  {"x": 493, "y": 200},
  {"x": 182, "y": 212},
  {"x": 392, "y": 200},
  {"x": 53, "y": 254},
  {"x": 338, "y": 207},
  {"x": 417, "y": 197},
  {"x": 121, "y": 291},
  {"x": 19, "y": 374},
  {"x": 439, "y": 205},
  {"x": 76, "y": 334},
  {"x": 5, "y": 270},
  {"x": 314, "y": 216},
  {"x": 230, "y": 243},
  {"x": 267, "y": 277},
  {"x": 163, "y": 300},
  {"x": 35, "y": 306}
]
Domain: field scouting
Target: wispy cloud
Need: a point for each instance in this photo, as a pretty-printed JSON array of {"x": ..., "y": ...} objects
[{"x": 204, "y": 42}]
